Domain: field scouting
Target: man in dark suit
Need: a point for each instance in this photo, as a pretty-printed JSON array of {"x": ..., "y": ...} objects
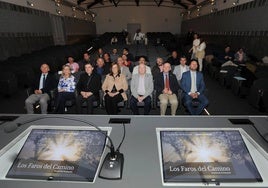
[
  {"x": 101, "y": 68},
  {"x": 44, "y": 83},
  {"x": 88, "y": 88},
  {"x": 193, "y": 86},
  {"x": 86, "y": 59},
  {"x": 166, "y": 86},
  {"x": 174, "y": 59}
]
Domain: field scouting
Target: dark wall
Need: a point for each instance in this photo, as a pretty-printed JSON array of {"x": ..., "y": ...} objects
[
  {"x": 23, "y": 30},
  {"x": 78, "y": 30},
  {"x": 240, "y": 26}
]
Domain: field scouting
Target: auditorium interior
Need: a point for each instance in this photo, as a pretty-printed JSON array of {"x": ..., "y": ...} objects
[{"x": 32, "y": 33}]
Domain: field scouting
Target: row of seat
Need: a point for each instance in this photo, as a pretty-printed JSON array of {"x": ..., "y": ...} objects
[{"x": 242, "y": 82}]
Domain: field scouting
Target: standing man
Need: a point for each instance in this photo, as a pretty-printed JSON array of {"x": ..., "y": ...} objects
[
  {"x": 141, "y": 89},
  {"x": 42, "y": 87},
  {"x": 193, "y": 86},
  {"x": 167, "y": 87},
  {"x": 88, "y": 88}
]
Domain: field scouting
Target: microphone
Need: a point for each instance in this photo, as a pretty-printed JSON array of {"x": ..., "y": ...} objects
[{"x": 112, "y": 166}]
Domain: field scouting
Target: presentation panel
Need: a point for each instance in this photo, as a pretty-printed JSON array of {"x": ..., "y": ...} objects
[
  {"x": 206, "y": 156},
  {"x": 59, "y": 153}
]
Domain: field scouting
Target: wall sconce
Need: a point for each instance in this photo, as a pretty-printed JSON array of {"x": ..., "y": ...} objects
[
  {"x": 29, "y": 3},
  {"x": 58, "y": 11},
  {"x": 212, "y": 2},
  {"x": 235, "y": 2},
  {"x": 85, "y": 12},
  {"x": 74, "y": 9},
  {"x": 213, "y": 10},
  {"x": 57, "y": 3}
]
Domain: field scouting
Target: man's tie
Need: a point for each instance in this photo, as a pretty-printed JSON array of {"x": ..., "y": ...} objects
[
  {"x": 167, "y": 82},
  {"x": 193, "y": 82},
  {"x": 44, "y": 80}
]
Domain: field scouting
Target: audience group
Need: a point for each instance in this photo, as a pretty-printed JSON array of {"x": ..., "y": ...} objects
[{"x": 117, "y": 79}]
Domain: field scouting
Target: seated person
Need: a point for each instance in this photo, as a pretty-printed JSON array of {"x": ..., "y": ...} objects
[
  {"x": 44, "y": 83},
  {"x": 174, "y": 59},
  {"x": 87, "y": 88},
  {"x": 114, "y": 40},
  {"x": 193, "y": 86},
  {"x": 181, "y": 68},
  {"x": 141, "y": 61},
  {"x": 73, "y": 65},
  {"x": 240, "y": 56},
  {"x": 107, "y": 60},
  {"x": 158, "y": 67},
  {"x": 86, "y": 59},
  {"x": 124, "y": 69},
  {"x": 99, "y": 53},
  {"x": 114, "y": 55},
  {"x": 114, "y": 86},
  {"x": 130, "y": 57},
  {"x": 127, "y": 63},
  {"x": 227, "y": 55},
  {"x": 101, "y": 68},
  {"x": 66, "y": 89},
  {"x": 166, "y": 86},
  {"x": 138, "y": 37},
  {"x": 141, "y": 89}
]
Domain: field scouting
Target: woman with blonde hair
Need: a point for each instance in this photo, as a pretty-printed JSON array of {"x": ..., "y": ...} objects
[
  {"x": 66, "y": 89},
  {"x": 114, "y": 86}
]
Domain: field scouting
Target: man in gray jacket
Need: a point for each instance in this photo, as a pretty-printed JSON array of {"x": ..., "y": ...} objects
[{"x": 141, "y": 89}]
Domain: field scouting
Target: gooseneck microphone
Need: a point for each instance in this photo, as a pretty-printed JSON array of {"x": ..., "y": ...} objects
[{"x": 112, "y": 165}]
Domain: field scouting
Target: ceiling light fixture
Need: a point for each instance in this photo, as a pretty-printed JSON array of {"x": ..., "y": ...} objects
[
  {"x": 58, "y": 11},
  {"x": 29, "y": 3},
  {"x": 235, "y": 2}
]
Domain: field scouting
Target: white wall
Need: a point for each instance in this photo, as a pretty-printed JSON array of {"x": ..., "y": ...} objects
[{"x": 152, "y": 19}]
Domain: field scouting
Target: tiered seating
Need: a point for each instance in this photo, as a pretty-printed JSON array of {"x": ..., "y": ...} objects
[{"x": 246, "y": 80}]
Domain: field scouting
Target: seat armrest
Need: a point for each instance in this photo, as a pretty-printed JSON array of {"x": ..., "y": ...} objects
[
  {"x": 53, "y": 93},
  {"x": 154, "y": 99},
  {"x": 101, "y": 95}
]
